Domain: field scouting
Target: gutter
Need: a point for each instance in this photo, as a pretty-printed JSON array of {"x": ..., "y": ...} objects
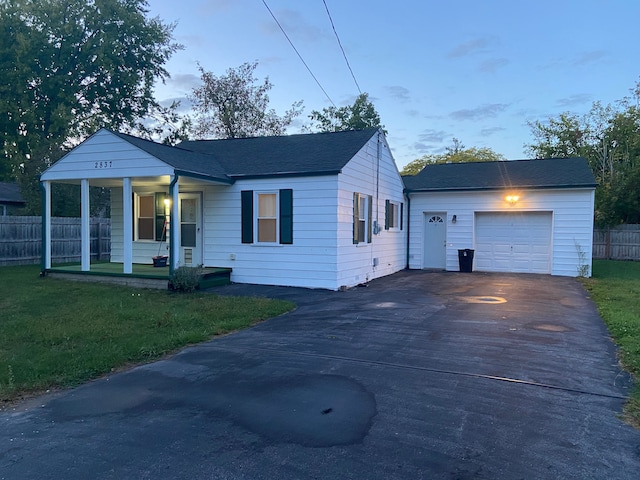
[
  {"x": 408, "y": 226},
  {"x": 173, "y": 232}
]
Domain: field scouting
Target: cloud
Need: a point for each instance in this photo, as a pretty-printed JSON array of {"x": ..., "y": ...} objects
[
  {"x": 487, "y": 132},
  {"x": 493, "y": 64},
  {"x": 590, "y": 57},
  {"x": 572, "y": 100},
  {"x": 471, "y": 47},
  {"x": 295, "y": 25},
  {"x": 399, "y": 93},
  {"x": 412, "y": 113},
  {"x": 433, "y": 135},
  {"x": 185, "y": 81},
  {"x": 212, "y": 7},
  {"x": 489, "y": 110}
]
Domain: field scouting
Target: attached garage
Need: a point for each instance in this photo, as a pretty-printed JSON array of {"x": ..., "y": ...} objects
[
  {"x": 524, "y": 216},
  {"x": 513, "y": 242}
]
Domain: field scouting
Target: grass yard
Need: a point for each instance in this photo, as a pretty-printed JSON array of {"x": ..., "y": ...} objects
[
  {"x": 56, "y": 333},
  {"x": 615, "y": 288}
]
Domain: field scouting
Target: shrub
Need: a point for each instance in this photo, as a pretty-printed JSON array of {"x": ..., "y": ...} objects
[{"x": 185, "y": 279}]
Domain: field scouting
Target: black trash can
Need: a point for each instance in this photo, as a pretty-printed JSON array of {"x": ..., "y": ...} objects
[{"x": 465, "y": 259}]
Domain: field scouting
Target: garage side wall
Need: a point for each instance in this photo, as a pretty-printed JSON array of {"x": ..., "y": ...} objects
[{"x": 571, "y": 232}]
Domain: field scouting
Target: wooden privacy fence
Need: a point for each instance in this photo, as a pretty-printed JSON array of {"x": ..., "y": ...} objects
[
  {"x": 21, "y": 240},
  {"x": 617, "y": 243}
]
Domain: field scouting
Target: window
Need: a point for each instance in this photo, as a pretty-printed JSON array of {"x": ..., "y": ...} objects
[
  {"x": 146, "y": 217},
  {"x": 267, "y": 220},
  {"x": 150, "y": 216},
  {"x": 271, "y": 221},
  {"x": 393, "y": 215},
  {"x": 362, "y": 206}
]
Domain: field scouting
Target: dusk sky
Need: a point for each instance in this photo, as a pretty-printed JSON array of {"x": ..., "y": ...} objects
[{"x": 477, "y": 70}]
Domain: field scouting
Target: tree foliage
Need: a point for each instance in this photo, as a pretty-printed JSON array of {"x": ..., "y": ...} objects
[
  {"x": 609, "y": 138},
  {"x": 456, "y": 153},
  {"x": 70, "y": 67},
  {"x": 362, "y": 114},
  {"x": 234, "y": 105}
]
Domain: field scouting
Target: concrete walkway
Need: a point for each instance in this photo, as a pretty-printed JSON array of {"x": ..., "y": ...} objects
[{"x": 417, "y": 376}]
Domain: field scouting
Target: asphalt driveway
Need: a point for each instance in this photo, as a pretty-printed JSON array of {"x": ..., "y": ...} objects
[{"x": 418, "y": 375}]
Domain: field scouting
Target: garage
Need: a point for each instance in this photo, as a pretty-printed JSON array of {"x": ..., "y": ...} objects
[
  {"x": 517, "y": 242},
  {"x": 520, "y": 216}
]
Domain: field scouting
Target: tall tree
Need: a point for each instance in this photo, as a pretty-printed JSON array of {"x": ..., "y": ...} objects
[
  {"x": 456, "y": 153},
  {"x": 234, "y": 105},
  {"x": 362, "y": 114},
  {"x": 70, "y": 67},
  {"x": 609, "y": 138}
]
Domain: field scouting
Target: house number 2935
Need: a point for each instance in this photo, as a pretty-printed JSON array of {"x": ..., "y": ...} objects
[{"x": 104, "y": 164}]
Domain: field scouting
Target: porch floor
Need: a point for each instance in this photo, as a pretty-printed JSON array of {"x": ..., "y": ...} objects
[{"x": 143, "y": 275}]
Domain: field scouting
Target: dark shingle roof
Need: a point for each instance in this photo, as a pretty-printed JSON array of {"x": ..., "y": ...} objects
[
  {"x": 10, "y": 194},
  {"x": 184, "y": 160},
  {"x": 545, "y": 173},
  {"x": 304, "y": 154}
]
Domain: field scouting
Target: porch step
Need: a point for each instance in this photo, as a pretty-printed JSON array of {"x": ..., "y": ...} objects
[{"x": 214, "y": 277}]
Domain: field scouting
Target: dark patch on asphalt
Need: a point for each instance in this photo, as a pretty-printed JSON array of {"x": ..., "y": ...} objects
[{"x": 307, "y": 410}]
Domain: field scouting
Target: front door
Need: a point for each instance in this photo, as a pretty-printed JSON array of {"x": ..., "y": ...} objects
[
  {"x": 435, "y": 241},
  {"x": 190, "y": 219}
]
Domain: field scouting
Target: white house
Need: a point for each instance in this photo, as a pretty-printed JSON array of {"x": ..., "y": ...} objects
[
  {"x": 533, "y": 216},
  {"x": 322, "y": 210}
]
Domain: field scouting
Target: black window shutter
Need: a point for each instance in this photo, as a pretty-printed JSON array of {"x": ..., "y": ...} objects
[
  {"x": 401, "y": 214},
  {"x": 356, "y": 218},
  {"x": 161, "y": 233},
  {"x": 246, "y": 202},
  {"x": 387, "y": 208},
  {"x": 286, "y": 216},
  {"x": 370, "y": 217}
]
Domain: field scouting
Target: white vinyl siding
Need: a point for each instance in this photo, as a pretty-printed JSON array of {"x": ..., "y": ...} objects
[
  {"x": 106, "y": 156},
  {"x": 571, "y": 229},
  {"x": 386, "y": 254}
]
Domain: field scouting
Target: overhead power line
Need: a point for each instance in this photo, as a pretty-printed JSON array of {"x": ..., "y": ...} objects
[
  {"x": 340, "y": 44},
  {"x": 299, "y": 56}
]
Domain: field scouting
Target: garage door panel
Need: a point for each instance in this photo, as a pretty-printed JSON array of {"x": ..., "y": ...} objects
[{"x": 513, "y": 242}]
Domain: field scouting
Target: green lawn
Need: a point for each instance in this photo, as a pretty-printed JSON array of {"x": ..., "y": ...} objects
[
  {"x": 615, "y": 288},
  {"x": 56, "y": 333}
]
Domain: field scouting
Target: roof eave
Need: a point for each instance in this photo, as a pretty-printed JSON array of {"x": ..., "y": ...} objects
[
  {"x": 253, "y": 176},
  {"x": 505, "y": 187}
]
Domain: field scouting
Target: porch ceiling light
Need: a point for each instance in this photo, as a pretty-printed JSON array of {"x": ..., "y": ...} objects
[
  {"x": 512, "y": 199},
  {"x": 167, "y": 202}
]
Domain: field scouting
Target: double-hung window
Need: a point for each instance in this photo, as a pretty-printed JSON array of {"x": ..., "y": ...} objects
[
  {"x": 150, "y": 216},
  {"x": 267, "y": 217},
  {"x": 362, "y": 207},
  {"x": 393, "y": 215}
]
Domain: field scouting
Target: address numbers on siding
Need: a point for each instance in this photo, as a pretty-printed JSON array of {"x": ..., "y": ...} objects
[{"x": 105, "y": 164}]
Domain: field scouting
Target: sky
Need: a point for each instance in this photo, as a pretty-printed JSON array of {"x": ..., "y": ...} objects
[{"x": 476, "y": 70}]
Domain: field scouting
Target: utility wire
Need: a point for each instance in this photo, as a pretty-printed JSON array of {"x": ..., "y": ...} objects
[
  {"x": 300, "y": 56},
  {"x": 340, "y": 44}
]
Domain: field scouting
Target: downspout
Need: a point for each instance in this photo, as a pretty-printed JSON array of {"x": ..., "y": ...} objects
[
  {"x": 173, "y": 223},
  {"x": 43, "y": 250},
  {"x": 408, "y": 225}
]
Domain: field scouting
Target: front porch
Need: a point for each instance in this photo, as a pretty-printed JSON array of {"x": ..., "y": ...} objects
[{"x": 142, "y": 276}]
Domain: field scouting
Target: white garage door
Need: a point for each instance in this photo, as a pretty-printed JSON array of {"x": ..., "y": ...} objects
[{"x": 513, "y": 242}]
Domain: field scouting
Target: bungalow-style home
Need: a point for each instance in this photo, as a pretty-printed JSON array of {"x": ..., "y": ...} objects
[
  {"x": 10, "y": 198},
  {"x": 533, "y": 216},
  {"x": 324, "y": 210}
]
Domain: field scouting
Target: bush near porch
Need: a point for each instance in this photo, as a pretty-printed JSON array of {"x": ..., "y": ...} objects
[
  {"x": 615, "y": 288},
  {"x": 56, "y": 333}
]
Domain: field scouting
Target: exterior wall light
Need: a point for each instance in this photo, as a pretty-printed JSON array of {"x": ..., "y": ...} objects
[
  {"x": 512, "y": 199},
  {"x": 454, "y": 219}
]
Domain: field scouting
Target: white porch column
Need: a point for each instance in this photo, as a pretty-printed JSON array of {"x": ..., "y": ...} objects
[
  {"x": 175, "y": 224},
  {"x": 85, "y": 222},
  {"x": 46, "y": 234},
  {"x": 127, "y": 216}
]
